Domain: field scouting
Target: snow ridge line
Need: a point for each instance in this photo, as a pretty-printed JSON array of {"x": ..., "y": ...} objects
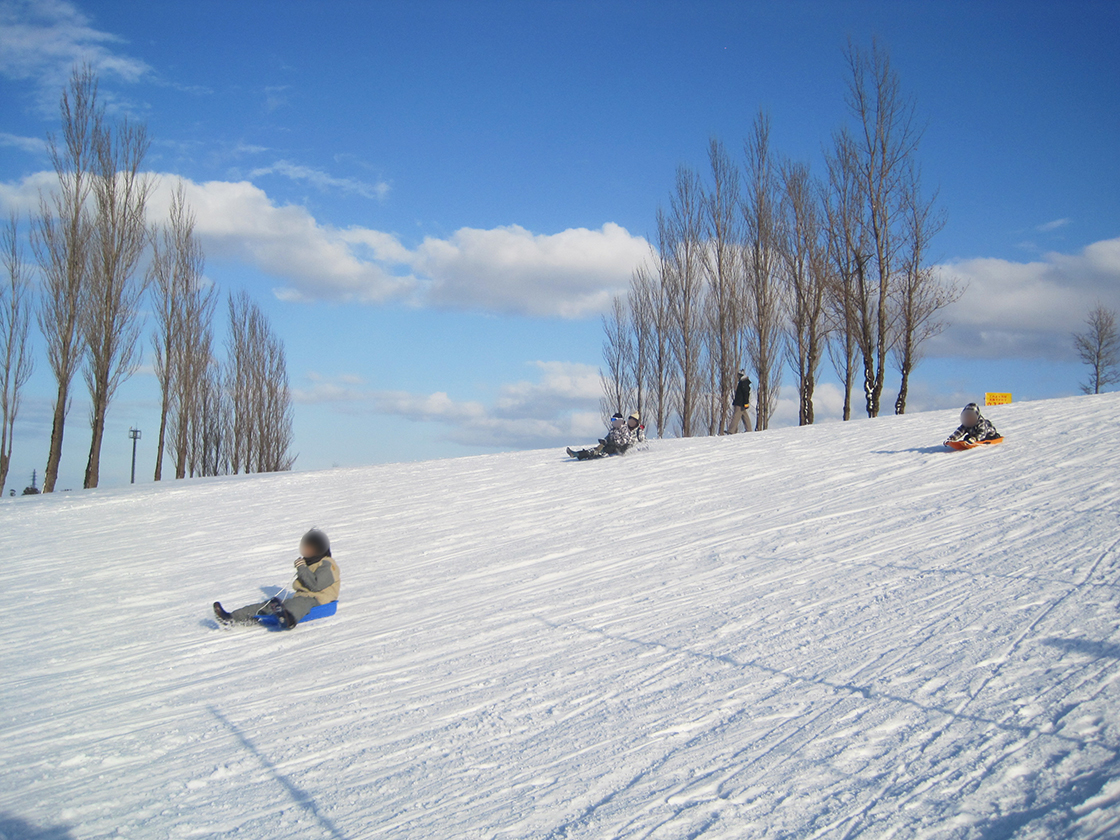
[
  {"x": 863, "y": 691},
  {"x": 851, "y": 690},
  {"x": 959, "y": 712},
  {"x": 1077, "y": 587}
]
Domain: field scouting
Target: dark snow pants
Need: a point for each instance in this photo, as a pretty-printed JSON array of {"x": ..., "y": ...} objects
[{"x": 298, "y": 607}]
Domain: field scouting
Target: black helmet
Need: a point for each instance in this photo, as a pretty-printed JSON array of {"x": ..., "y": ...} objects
[{"x": 318, "y": 541}]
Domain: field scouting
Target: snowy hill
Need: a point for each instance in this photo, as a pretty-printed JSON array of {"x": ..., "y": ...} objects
[{"x": 840, "y": 631}]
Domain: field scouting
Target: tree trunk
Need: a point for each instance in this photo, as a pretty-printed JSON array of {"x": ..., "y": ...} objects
[
  {"x": 159, "y": 442},
  {"x": 93, "y": 466},
  {"x": 903, "y": 389},
  {"x": 849, "y": 375},
  {"x": 58, "y": 426}
]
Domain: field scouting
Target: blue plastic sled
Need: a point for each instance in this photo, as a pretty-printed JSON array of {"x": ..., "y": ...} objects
[{"x": 271, "y": 622}]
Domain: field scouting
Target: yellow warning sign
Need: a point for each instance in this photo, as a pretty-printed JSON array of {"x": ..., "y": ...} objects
[{"x": 997, "y": 399}]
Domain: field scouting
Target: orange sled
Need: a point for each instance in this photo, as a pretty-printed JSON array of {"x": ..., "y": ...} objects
[{"x": 960, "y": 445}]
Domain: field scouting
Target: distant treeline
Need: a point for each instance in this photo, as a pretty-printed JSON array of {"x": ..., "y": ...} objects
[
  {"x": 762, "y": 263},
  {"x": 91, "y": 238}
]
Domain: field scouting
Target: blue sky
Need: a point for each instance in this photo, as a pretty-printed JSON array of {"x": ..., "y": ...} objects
[{"x": 434, "y": 201}]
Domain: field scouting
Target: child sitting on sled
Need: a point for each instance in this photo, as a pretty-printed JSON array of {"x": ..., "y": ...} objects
[
  {"x": 316, "y": 582},
  {"x": 616, "y": 442},
  {"x": 974, "y": 428},
  {"x": 637, "y": 430}
]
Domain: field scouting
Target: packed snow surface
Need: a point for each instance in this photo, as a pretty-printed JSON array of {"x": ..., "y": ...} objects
[{"x": 838, "y": 631}]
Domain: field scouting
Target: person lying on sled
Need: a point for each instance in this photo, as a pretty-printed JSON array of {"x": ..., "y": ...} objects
[
  {"x": 317, "y": 582},
  {"x": 974, "y": 427},
  {"x": 616, "y": 442}
]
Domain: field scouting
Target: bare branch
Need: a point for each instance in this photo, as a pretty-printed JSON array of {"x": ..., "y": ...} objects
[
  {"x": 60, "y": 237},
  {"x": 260, "y": 403},
  {"x": 804, "y": 254},
  {"x": 1099, "y": 348},
  {"x": 763, "y": 296},
  {"x": 919, "y": 294},
  {"x": 16, "y": 362},
  {"x": 879, "y": 152},
  {"x": 111, "y": 307},
  {"x": 618, "y": 357}
]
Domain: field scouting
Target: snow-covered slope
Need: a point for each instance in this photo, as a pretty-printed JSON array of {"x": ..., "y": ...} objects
[{"x": 837, "y": 631}]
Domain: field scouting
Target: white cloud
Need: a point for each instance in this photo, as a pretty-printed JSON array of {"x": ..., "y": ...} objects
[
  {"x": 508, "y": 270},
  {"x": 31, "y": 145},
  {"x": 573, "y": 273},
  {"x": 1010, "y": 309},
  {"x": 828, "y": 404},
  {"x": 23, "y": 196},
  {"x": 1014, "y": 309},
  {"x": 559, "y": 408},
  {"x": 322, "y": 180},
  {"x": 1052, "y": 226},
  {"x": 43, "y": 40},
  {"x": 238, "y": 221}
]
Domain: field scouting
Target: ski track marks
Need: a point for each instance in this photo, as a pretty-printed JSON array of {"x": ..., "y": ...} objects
[{"x": 833, "y": 632}]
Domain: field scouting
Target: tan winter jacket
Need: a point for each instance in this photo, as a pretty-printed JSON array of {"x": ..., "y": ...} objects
[{"x": 318, "y": 580}]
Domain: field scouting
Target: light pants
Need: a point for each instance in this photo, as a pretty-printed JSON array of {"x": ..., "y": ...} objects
[{"x": 739, "y": 415}]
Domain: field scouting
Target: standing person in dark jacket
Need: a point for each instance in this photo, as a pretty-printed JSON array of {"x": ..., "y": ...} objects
[
  {"x": 317, "y": 582},
  {"x": 739, "y": 404}
]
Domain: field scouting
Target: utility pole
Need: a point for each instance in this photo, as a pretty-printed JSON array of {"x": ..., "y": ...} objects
[{"x": 134, "y": 434}]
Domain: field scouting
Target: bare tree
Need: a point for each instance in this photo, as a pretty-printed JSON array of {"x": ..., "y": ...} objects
[
  {"x": 260, "y": 404},
  {"x": 214, "y": 422},
  {"x": 168, "y": 313},
  {"x": 239, "y": 377},
  {"x": 165, "y": 337},
  {"x": 618, "y": 356},
  {"x": 880, "y": 151},
  {"x": 920, "y": 293},
  {"x": 275, "y": 419},
  {"x": 1099, "y": 348},
  {"x": 194, "y": 368},
  {"x": 658, "y": 310},
  {"x": 723, "y": 264},
  {"x": 61, "y": 239},
  {"x": 709, "y": 411},
  {"x": 111, "y": 311},
  {"x": 847, "y": 252},
  {"x": 642, "y": 338},
  {"x": 184, "y": 312},
  {"x": 763, "y": 298},
  {"x": 686, "y": 292},
  {"x": 804, "y": 253},
  {"x": 16, "y": 363}
]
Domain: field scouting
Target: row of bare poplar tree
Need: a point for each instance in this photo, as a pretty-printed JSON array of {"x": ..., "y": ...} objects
[
  {"x": 91, "y": 238},
  {"x": 764, "y": 264}
]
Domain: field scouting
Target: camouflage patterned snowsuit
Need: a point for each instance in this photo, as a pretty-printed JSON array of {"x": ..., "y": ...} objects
[
  {"x": 616, "y": 442},
  {"x": 983, "y": 430}
]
